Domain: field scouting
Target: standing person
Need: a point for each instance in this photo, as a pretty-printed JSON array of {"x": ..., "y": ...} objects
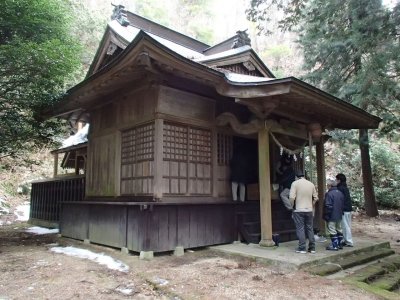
[
  {"x": 333, "y": 211},
  {"x": 303, "y": 196},
  {"x": 286, "y": 176},
  {"x": 238, "y": 166},
  {"x": 347, "y": 209}
]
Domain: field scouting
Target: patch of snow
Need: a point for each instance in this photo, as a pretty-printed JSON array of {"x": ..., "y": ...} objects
[
  {"x": 22, "y": 212},
  {"x": 129, "y": 33},
  {"x": 40, "y": 230},
  {"x": 1, "y": 223},
  {"x": 78, "y": 138},
  {"x": 125, "y": 290},
  {"x": 226, "y": 53},
  {"x": 100, "y": 258},
  {"x": 160, "y": 281},
  {"x": 240, "y": 78},
  {"x": 3, "y": 206}
]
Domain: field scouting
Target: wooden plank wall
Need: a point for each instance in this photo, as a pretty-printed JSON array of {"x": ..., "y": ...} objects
[
  {"x": 74, "y": 221},
  {"x": 104, "y": 147},
  {"x": 101, "y": 162},
  {"x": 156, "y": 228},
  {"x": 186, "y": 106}
]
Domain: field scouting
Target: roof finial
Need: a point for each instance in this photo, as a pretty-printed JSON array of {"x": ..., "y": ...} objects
[
  {"x": 119, "y": 14},
  {"x": 241, "y": 39}
]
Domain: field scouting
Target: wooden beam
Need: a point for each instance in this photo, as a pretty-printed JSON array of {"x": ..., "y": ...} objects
[
  {"x": 265, "y": 188},
  {"x": 254, "y": 91},
  {"x": 158, "y": 159},
  {"x": 321, "y": 178},
  {"x": 55, "y": 164}
]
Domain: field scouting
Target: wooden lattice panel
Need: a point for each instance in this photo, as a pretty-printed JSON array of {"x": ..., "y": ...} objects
[
  {"x": 175, "y": 142},
  {"x": 224, "y": 155},
  {"x": 224, "y": 149},
  {"x": 199, "y": 145},
  {"x": 186, "y": 160},
  {"x": 137, "y": 160}
]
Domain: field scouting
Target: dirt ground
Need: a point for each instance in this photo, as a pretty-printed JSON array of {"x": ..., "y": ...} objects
[{"x": 28, "y": 270}]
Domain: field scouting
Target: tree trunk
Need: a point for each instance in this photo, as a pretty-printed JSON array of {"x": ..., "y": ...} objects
[{"x": 369, "y": 194}]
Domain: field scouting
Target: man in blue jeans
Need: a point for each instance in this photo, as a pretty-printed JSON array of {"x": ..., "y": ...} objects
[{"x": 303, "y": 196}]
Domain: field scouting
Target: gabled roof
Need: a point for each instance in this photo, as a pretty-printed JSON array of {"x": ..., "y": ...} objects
[
  {"x": 147, "y": 54},
  {"x": 119, "y": 34}
]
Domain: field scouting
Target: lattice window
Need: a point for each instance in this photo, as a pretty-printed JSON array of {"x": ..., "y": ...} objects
[
  {"x": 187, "y": 160},
  {"x": 175, "y": 142},
  {"x": 224, "y": 149},
  {"x": 137, "y": 160},
  {"x": 199, "y": 145}
]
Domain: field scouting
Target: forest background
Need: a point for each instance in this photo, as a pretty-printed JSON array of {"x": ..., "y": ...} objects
[{"x": 210, "y": 21}]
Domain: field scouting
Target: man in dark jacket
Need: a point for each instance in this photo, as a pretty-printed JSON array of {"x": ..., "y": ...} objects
[
  {"x": 333, "y": 211},
  {"x": 286, "y": 176},
  {"x": 347, "y": 209}
]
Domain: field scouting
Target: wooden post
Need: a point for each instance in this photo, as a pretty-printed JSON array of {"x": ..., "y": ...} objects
[
  {"x": 158, "y": 159},
  {"x": 321, "y": 177},
  {"x": 55, "y": 165},
  {"x": 214, "y": 147},
  {"x": 118, "y": 155},
  {"x": 265, "y": 188},
  {"x": 310, "y": 145}
]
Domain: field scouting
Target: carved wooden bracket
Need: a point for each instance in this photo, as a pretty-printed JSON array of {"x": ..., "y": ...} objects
[
  {"x": 249, "y": 128},
  {"x": 262, "y": 109},
  {"x": 256, "y": 125}
]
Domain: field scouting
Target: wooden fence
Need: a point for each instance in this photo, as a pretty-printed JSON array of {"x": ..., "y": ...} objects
[{"x": 47, "y": 197}]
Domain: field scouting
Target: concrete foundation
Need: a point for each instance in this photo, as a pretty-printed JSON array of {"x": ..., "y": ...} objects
[
  {"x": 86, "y": 241},
  {"x": 179, "y": 251},
  {"x": 146, "y": 255},
  {"x": 285, "y": 256},
  {"x": 125, "y": 250}
]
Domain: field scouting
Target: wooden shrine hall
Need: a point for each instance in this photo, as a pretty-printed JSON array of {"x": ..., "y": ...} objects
[{"x": 167, "y": 113}]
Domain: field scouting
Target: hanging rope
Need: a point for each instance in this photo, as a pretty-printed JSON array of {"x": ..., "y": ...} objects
[{"x": 293, "y": 152}]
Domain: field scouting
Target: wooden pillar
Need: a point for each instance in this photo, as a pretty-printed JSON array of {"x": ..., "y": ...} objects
[
  {"x": 55, "y": 172},
  {"x": 265, "y": 188},
  {"x": 321, "y": 177},
  {"x": 214, "y": 147},
  {"x": 158, "y": 159}
]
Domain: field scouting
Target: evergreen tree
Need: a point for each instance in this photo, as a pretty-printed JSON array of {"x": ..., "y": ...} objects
[
  {"x": 351, "y": 49},
  {"x": 37, "y": 57}
]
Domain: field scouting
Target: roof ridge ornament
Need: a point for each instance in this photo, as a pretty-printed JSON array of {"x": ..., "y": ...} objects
[
  {"x": 241, "y": 39},
  {"x": 119, "y": 14}
]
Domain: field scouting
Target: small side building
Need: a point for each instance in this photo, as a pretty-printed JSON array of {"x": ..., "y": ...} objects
[{"x": 166, "y": 114}]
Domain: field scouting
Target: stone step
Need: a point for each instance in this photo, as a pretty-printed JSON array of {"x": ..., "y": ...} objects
[
  {"x": 367, "y": 274},
  {"x": 387, "y": 282},
  {"x": 339, "y": 263},
  {"x": 381, "y": 278}
]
